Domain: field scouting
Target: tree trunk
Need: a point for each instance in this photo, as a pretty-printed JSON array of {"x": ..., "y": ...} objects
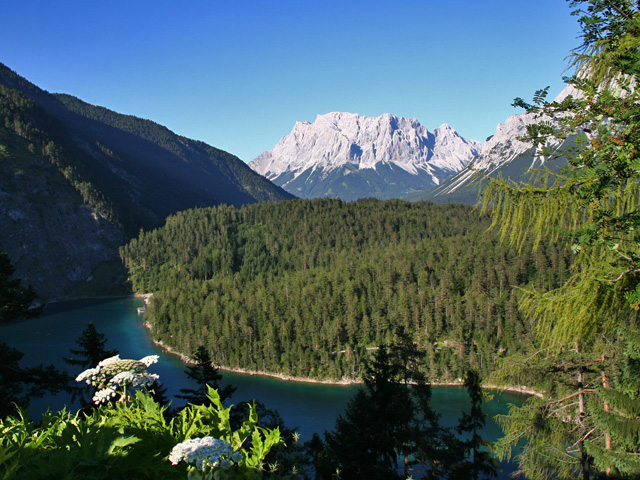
[
  {"x": 607, "y": 438},
  {"x": 406, "y": 465},
  {"x": 581, "y": 417}
]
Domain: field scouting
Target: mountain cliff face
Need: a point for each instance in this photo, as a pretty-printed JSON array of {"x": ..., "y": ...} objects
[
  {"x": 503, "y": 154},
  {"x": 76, "y": 181},
  {"x": 349, "y": 156},
  {"x": 52, "y": 238}
]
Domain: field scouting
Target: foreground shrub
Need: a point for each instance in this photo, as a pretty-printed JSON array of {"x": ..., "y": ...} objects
[{"x": 133, "y": 439}]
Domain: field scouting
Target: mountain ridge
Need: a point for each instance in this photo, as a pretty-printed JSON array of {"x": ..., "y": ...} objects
[
  {"x": 341, "y": 154},
  {"x": 503, "y": 154}
]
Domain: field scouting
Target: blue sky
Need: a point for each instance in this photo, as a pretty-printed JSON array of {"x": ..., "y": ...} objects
[{"x": 239, "y": 74}]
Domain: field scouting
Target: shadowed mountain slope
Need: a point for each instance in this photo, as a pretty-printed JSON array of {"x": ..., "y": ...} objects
[{"x": 78, "y": 180}]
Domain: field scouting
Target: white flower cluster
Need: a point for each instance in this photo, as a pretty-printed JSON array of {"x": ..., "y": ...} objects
[
  {"x": 104, "y": 395},
  {"x": 113, "y": 373},
  {"x": 109, "y": 361},
  {"x": 206, "y": 452},
  {"x": 88, "y": 375},
  {"x": 134, "y": 379},
  {"x": 149, "y": 360}
]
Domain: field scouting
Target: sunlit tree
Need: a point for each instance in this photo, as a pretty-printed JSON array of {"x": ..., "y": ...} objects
[{"x": 593, "y": 206}]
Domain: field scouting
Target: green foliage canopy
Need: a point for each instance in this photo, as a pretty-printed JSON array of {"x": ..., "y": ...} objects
[
  {"x": 576, "y": 429},
  {"x": 594, "y": 202},
  {"x": 305, "y": 287}
]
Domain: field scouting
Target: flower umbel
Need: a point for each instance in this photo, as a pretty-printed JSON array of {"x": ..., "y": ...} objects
[
  {"x": 114, "y": 374},
  {"x": 107, "y": 361},
  {"x": 87, "y": 375},
  {"x": 205, "y": 453},
  {"x": 104, "y": 395},
  {"x": 149, "y": 360}
]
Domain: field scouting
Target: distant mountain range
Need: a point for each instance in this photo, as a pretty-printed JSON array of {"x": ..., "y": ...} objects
[
  {"x": 349, "y": 156},
  {"x": 503, "y": 154},
  {"x": 77, "y": 180}
]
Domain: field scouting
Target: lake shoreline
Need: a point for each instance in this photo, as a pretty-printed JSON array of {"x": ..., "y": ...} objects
[
  {"x": 146, "y": 297},
  {"x": 345, "y": 381}
]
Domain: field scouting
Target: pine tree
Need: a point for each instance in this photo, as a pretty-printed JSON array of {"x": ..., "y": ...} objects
[
  {"x": 92, "y": 348},
  {"x": 390, "y": 418},
  {"x": 593, "y": 205},
  {"x": 365, "y": 440},
  {"x": 551, "y": 433},
  {"x": 424, "y": 441},
  {"x": 205, "y": 374}
]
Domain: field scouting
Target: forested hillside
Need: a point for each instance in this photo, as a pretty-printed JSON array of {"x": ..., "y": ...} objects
[
  {"x": 76, "y": 181},
  {"x": 305, "y": 287},
  {"x": 55, "y": 224},
  {"x": 176, "y": 172},
  {"x": 142, "y": 170}
]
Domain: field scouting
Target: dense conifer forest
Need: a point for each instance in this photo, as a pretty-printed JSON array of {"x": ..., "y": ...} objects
[
  {"x": 21, "y": 117},
  {"x": 304, "y": 288},
  {"x": 322, "y": 288}
]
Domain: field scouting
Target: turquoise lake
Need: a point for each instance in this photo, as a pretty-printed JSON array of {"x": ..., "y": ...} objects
[{"x": 309, "y": 406}]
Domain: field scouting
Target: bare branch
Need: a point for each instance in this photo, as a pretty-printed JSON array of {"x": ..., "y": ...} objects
[{"x": 586, "y": 390}]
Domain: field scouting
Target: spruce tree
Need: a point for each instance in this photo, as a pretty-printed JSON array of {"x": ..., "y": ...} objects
[
  {"x": 92, "y": 348},
  {"x": 91, "y": 351},
  {"x": 366, "y": 440},
  {"x": 423, "y": 440},
  {"x": 204, "y": 374},
  {"x": 551, "y": 433},
  {"x": 479, "y": 462},
  {"x": 616, "y": 450},
  {"x": 390, "y": 418}
]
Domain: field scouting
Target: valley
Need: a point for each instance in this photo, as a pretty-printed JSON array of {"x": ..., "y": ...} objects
[
  {"x": 382, "y": 274},
  {"x": 84, "y": 179}
]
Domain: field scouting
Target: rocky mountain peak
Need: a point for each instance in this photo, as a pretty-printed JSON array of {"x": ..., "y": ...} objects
[
  {"x": 351, "y": 144},
  {"x": 502, "y": 154}
]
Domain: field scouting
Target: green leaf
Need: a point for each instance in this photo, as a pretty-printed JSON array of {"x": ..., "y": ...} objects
[{"x": 122, "y": 442}]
